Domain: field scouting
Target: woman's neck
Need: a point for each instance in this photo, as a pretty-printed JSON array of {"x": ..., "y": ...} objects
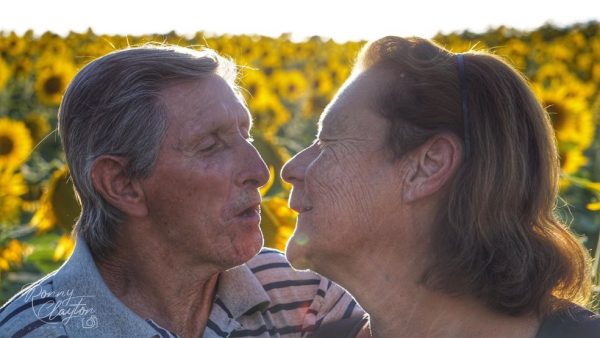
[{"x": 400, "y": 306}]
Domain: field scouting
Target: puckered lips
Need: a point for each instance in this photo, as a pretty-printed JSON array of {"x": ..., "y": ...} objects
[{"x": 250, "y": 213}]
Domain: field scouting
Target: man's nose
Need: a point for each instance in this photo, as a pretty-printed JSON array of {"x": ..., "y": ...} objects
[{"x": 256, "y": 172}]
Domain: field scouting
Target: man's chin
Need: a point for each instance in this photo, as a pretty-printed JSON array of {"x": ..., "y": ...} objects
[{"x": 248, "y": 249}]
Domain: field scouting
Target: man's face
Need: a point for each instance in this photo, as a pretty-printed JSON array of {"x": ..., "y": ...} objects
[{"x": 202, "y": 197}]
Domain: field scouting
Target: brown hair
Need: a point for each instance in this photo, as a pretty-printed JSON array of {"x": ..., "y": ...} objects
[{"x": 499, "y": 238}]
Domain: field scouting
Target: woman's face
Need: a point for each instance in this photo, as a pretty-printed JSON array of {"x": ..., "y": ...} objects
[{"x": 346, "y": 185}]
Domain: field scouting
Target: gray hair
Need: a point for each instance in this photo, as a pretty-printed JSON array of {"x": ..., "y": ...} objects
[{"x": 113, "y": 107}]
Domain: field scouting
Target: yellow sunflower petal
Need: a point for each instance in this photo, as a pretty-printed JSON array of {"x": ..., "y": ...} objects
[
  {"x": 59, "y": 206},
  {"x": 64, "y": 248},
  {"x": 15, "y": 143}
]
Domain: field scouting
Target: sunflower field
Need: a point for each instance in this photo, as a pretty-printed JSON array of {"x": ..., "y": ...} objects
[{"x": 287, "y": 84}]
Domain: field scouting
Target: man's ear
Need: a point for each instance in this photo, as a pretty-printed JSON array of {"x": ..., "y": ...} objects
[
  {"x": 431, "y": 165},
  {"x": 110, "y": 179}
]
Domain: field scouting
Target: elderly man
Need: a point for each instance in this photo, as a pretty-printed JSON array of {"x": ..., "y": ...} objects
[{"x": 157, "y": 140}]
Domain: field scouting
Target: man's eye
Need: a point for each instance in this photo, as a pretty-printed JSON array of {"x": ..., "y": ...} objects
[{"x": 208, "y": 147}]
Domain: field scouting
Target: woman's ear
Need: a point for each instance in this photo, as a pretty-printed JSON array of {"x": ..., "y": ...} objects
[
  {"x": 110, "y": 179},
  {"x": 431, "y": 166}
]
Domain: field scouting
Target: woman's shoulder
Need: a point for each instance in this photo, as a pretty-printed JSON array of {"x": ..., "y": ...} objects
[{"x": 573, "y": 322}]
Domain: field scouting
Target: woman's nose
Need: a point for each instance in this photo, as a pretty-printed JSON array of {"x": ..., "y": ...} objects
[{"x": 293, "y": 171}]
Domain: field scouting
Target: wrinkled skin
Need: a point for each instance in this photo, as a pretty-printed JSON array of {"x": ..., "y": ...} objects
[
  {"x": 202, "y": 195},
  {"x": 346, "y": 185}
]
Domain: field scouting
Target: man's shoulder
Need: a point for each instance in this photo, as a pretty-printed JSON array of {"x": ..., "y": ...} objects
[
  {"x": 301, "y": 294},
  {"x": 271, "y": 265},
  {"x": 31, "y": 309}
]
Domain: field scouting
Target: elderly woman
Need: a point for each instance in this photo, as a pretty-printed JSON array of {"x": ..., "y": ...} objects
[{"x": 429, "y": 194}]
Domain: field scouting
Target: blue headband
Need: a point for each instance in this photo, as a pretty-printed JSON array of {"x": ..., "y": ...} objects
[{"x": 465, "y": 107}]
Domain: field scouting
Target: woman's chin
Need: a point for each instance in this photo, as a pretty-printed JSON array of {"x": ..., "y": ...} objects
[{"x": 298, "y": 252}]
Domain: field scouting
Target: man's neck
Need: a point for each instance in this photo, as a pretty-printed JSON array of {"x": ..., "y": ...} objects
[{"x": 150, "y": 283}]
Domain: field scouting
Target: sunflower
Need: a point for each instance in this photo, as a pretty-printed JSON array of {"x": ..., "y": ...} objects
[
  {"x": 64, "y": 248},
  {"x": 570, "y": 114},
  {"x": 265, "y": 188},
  {"x": 584, "y": 62},
  {"x": 14, "y": 45},
  {"x": 92, "y": 50},
  {"x": 593, "y": 206},
  {"x": 290, "y": 85},
  {"x": 52, "y": 81},
  {"x": 58, "y": 205},
  {"x": 12, "y": 187},
  {"x": 4, "y": 73},
  {"x": 15, "y": 142},
  {"x": 553, "y": 74},
  {"x": 516, "y": 51},
  {"x": 322, "y": 84},
  {"x": 245, "y": 49},
  {"x": 571, "y": 161},
  {"x": 275, "y": 156},
  {"x": 277, "y": 221},
  {"x": 269, "y": 60},
  {"x": 560, "y": 51},
  {"x": 338, "y": 72},
  {"x": 38, "y": 126},
  {"x": 12, "y": 254},
  {"x": 596, "y": 72},
  {"x": 572, "y": 120},
  {"x": 268, "y": 112},
  {"x": 252, "y": 81},
  {"x": 458, "y": 44},
  {"x": 53, "y": 46},
  {"x": 22, "y": 67}
]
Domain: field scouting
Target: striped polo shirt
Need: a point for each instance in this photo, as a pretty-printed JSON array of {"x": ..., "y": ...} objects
[{"x": 263, "y": 298}]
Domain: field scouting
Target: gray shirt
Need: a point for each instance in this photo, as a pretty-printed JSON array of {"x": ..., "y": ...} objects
[{"x": 263, "y": 298}]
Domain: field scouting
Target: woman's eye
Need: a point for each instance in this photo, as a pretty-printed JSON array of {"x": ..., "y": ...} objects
[{"x": 321, "y": 144}]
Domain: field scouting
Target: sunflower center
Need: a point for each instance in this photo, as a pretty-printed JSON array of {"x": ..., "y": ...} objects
[
  {"x": 64, "y": 204},
  {"x": 6, "y": 145},
  {"x": 53, "y": 85},
  {"x": 252, "y": 89},
  {"x": 557, "y": 114},
  {"x": 292, "y": 88},
  {"x": 316, "y": 84}
]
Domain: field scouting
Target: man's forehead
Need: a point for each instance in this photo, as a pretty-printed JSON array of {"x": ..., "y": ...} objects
[
  {"x": 202, "y": 95},
  {"x": 214, "y": 113}
]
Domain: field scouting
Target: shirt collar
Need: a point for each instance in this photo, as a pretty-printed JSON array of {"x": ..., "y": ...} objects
[
  {"x": 105, "y": 314},
  {"x": 241, "y": 291},
  {"x": 238, "y": 289}
]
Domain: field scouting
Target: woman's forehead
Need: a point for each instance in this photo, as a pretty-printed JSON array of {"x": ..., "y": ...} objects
[{"x": 351, "y": 103}]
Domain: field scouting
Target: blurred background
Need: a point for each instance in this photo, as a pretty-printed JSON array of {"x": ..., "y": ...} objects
[{"x": 293, "y": 56}]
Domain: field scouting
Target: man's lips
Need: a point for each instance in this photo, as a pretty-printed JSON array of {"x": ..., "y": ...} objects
[{"x": 251, "y": 210}]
